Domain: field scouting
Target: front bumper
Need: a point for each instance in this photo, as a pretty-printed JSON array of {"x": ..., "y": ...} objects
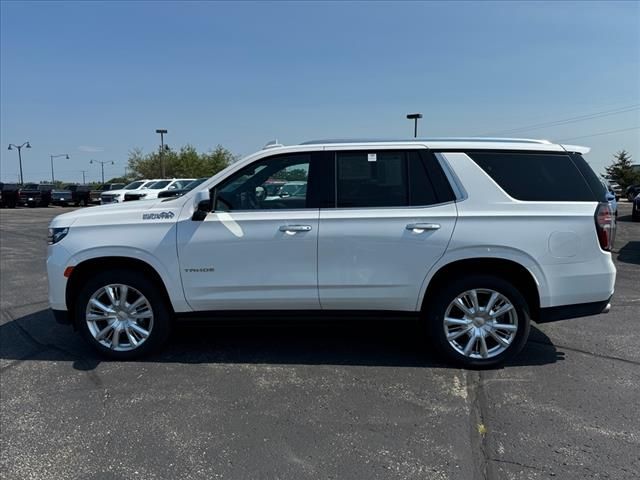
[{"x": 565, "y": 312}]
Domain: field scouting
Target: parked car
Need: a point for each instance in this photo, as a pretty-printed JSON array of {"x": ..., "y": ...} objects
[
  {"x": 632, "y": 191},
  {"x": 72, "y": 195},
  {"x": 155, "y": 188},
  {"x": 117, "y": 196},
  {"x": 473, "y": 238},
  {"x": 62, "y": 197},
  {"x": 616, "y": 189},
  {"x": 178, "y": 192},
  {"x": 635, "y": 211},
  {"x": 612, "y": 198},
  {"x": 105, "y": 187},
  {"x": 35, "y": 195},
  {"x": 9, "y": 195}
]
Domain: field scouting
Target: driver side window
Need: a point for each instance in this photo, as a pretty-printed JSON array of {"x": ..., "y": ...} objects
[{"x": 272, "y": 183}]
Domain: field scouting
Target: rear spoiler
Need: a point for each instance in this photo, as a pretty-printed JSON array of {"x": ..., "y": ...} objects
[{"x": 576, "y": 149}]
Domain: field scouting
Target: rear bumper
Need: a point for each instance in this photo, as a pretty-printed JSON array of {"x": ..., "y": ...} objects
[{"x": 565, "y": 312}]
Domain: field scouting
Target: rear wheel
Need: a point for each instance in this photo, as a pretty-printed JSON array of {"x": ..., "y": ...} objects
[
  {"x": 122, "y": 314},
  {"x": 478, "y": 321}
]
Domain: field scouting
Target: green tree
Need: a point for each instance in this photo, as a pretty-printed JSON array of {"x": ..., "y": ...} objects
[
  {"x": 621, "y": 170},
  {"x": 186, "y": 162}
]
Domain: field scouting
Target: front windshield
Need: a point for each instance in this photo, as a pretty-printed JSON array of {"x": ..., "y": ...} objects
[
  {"x": 159, "y": 185},
  {"x": 134, "y": 185}
]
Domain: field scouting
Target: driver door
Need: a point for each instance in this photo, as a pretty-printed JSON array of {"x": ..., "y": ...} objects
[{"x": 258, "y": 249}]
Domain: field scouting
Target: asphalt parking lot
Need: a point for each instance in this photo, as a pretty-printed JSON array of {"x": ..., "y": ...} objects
[{"x": 298, "y": 401}]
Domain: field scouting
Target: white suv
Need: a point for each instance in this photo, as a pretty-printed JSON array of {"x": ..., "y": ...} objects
[
  {"x": 116, "y": 196},
  {"x": 474, "y": 237},
  {"x": 152, "y": 190}
]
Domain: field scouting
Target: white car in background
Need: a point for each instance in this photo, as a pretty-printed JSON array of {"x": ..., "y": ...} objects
[
  {"x": 152, "y": 190},
  {"x": 116, "y": 196}
]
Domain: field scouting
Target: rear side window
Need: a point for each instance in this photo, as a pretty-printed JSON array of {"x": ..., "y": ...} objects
[
  {"x": 535, "y": 176},
  {"x": 383, "y": 178}
]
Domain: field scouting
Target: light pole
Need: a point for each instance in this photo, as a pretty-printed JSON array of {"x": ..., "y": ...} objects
[
  {"x": 162, "y": 131},
  {"x": 19, "y": 147},
  {"x": 414, "y": 117},
  {"x": 83, "y": 172},
  {"x": 66, "y": 155},
  {"x": 102, "y": 163}
]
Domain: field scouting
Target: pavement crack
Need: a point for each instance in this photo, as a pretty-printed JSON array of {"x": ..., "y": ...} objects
[
  {"x": 482, "y": 467},
  {"x": 586, "y": 352},
  {"x": 523, "y": 465}
]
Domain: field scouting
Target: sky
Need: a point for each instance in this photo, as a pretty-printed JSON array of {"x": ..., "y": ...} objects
[{"x": 95, "y": 80}]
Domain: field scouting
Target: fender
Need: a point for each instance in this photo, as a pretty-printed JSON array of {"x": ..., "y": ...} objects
[
  {"x": 497, "y": 252},
  {"x": 174, "y": 289}
]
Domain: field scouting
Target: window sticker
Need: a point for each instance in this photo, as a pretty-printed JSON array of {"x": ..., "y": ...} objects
[{"x": 372, "y": 157}]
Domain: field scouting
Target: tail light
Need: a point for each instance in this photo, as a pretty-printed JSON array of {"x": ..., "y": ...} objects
[{"x": 605, "y": 226}]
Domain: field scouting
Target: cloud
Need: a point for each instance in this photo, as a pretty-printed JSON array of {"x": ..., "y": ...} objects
[{"x": 90, "y": 149}]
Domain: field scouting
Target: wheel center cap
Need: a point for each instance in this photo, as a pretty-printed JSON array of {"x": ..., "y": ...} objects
[
  {"x": 122, "y": 315},
  {"x": 478, "y": 321}
]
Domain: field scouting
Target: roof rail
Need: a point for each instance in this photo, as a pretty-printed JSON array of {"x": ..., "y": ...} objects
[{"x": 433, "y": 139}]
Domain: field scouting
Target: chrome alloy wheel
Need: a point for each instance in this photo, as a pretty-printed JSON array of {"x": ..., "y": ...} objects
[
  {"x": 119, "y": 317},
  {"x": 480, "y": 323}
]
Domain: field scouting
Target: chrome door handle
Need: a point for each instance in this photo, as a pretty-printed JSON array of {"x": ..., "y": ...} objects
[
  {"x": 421, "y": 227},
  {"x": 295, "y": 228}
]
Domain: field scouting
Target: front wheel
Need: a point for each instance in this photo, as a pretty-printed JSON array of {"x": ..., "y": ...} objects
[
  {"x": 478, "y": 321},
  {"x": 122, "y": 314}
]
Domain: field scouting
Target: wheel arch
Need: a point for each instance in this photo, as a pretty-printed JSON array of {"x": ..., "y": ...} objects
[
  {"x": 520, "y": 276},
  {"x": 83, "y": 271}
]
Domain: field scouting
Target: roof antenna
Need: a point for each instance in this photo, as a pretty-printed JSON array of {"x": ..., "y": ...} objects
[{"x": 272, "y": 144}]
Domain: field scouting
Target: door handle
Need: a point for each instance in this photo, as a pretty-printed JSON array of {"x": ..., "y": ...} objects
[
  {"x": 291, "y": 229},
  {"x": 421, "y": 227}
]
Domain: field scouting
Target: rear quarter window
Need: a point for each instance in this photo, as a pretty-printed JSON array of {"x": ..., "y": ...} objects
[{"x": 535, "y": 176}]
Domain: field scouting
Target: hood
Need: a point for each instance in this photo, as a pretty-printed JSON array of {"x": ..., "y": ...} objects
[
  {"x": 122, "y": 191},
  {"x": 116, "y": 213}
]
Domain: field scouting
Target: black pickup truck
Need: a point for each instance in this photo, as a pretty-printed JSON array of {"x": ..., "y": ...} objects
[
  {"x": 9, "y": 195},
  {"x": 35, "y": 195},
  {"x": 72, "y": 195}
]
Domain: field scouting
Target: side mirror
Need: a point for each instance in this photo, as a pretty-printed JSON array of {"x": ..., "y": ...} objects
[{"x": 204, "y": 205}]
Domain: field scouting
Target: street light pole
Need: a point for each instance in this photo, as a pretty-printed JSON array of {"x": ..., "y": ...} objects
[
  {"x": 56, "y": 156},
  {"x": 19, "y": 147},
  {"x": 102, "y": 166},
  {"x": 414, "y": 117},
  {"x": 83, "y": 172},
  {"x": 162, "y": 131}
]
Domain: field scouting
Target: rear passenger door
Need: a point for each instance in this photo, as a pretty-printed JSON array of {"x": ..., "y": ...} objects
[{"x": 390, "y": 219}]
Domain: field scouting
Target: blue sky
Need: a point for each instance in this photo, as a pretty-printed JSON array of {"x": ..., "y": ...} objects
[{"x": 96, "y": 79}]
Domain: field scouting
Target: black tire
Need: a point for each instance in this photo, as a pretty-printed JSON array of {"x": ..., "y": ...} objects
[
  {"x": 162, "y": 315},
  {"x": 436, "y": 308}
]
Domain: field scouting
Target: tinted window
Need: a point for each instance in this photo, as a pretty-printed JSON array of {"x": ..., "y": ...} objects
[
  {"x": 372, "y": 179},
  {"x": 159, "y": 185},
  {"x": 382, "y": 179},
  {"x": 590, "y": 176},
  {"x": 535, "y": 176},
  {"x": 421, "y": 191},
  {"x": 133, "y": 185},
  {"x": 251, "y": 187}
]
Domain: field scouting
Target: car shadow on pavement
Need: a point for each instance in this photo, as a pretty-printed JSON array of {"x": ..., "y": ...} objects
[
  {"x": 630, "y": 253},
  {"x": 386, "y": 343}
]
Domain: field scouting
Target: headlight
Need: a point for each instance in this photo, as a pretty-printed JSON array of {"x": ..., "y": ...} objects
[{"x": 56, "y": 234}]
